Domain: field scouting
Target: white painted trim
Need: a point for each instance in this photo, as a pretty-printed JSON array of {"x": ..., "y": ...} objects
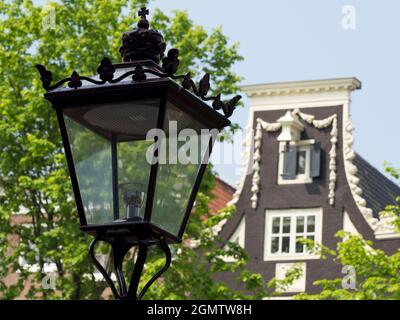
[
  {"x": 291, "y": 126},
  {"x": 292, "y": 258},
  {"x": 307, "y": 142},
  {"x": 269, "y": 214},
  {"x": 298, "y": 87},
  {"x": 258, "y": 106},
  {"x": 348, "y": 225},
  {"x": 387, "y": 236}
]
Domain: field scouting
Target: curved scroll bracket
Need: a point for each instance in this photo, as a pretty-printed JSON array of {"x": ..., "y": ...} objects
[
  {"x": 101, "y": 269},
  {"x": 119, "y": 251},
  {"x": 164, "y": 246}
]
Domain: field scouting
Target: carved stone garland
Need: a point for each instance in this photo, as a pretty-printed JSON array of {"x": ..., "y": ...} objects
[
  {"x": 273, "y": 127},
  {"x": 269, "y": 127}
]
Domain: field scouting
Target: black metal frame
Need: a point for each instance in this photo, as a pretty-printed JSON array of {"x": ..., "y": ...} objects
[
  {"x": 119, "y": 251},
  {"x": 164, "y": 89},
  {"x": 71, "y": 168},
  {"x": 154, "y": 167},
  {"x": 124, "y": 235},
  {"x": 139, "y": 44},
  {"x": 114, "y": 170}
]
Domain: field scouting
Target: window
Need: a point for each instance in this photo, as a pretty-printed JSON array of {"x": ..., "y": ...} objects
[
  {"x": 299, "y": 162},
  {"x": 285, "y": 227}
]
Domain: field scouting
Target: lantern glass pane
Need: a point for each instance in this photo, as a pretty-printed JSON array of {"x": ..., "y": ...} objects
[
  {"x": 108, "y": 143},
  {"x": 92, "y": 159},
  {"x": 181, "y": 153},
  {"x": 133, "y": 178}
]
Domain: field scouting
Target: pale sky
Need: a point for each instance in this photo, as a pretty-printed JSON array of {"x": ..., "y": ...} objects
[{"x": 289, "y": 40}]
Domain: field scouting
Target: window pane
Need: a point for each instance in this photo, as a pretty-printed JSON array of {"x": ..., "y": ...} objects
[
  {"x": 299, "y": 245},
  {"x": 286, "y": 225},
  {"x": 274, "y": 244},
  {"x": 92, "y": 158},
  {"x": 310, "y": 224},
  {"x": 285, "y": 245},
  {"x": 301, "y": 162},
  {"x": 275, "y": 225},
  {"x": 310, "y": 238},
  {"x": 300, "y": 224}
]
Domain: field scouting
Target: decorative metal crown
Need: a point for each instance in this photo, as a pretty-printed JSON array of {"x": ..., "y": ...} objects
[{"x": 142, "y": 43}]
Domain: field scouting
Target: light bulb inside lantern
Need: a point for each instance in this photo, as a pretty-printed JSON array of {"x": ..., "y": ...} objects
[{"x": 133, "y": 197}]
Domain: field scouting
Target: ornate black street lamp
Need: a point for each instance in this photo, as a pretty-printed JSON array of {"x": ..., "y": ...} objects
[{"x": 125, "y": 194}]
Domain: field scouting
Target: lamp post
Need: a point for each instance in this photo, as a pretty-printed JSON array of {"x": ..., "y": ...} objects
[{"x": 128, "y": 191}]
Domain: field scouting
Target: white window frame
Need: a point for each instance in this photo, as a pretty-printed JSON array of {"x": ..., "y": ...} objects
[
  {"x": 302, "y": 145},
  {"x": 292, "y": 213}
]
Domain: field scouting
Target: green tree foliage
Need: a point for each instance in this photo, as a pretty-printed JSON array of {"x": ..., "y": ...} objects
[
  {"x": 33, "y": 174},
  {"x": 377, "y": 274}
]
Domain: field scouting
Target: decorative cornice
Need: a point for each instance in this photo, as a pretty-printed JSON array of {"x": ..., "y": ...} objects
[{"x": 301, "y": 87}]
